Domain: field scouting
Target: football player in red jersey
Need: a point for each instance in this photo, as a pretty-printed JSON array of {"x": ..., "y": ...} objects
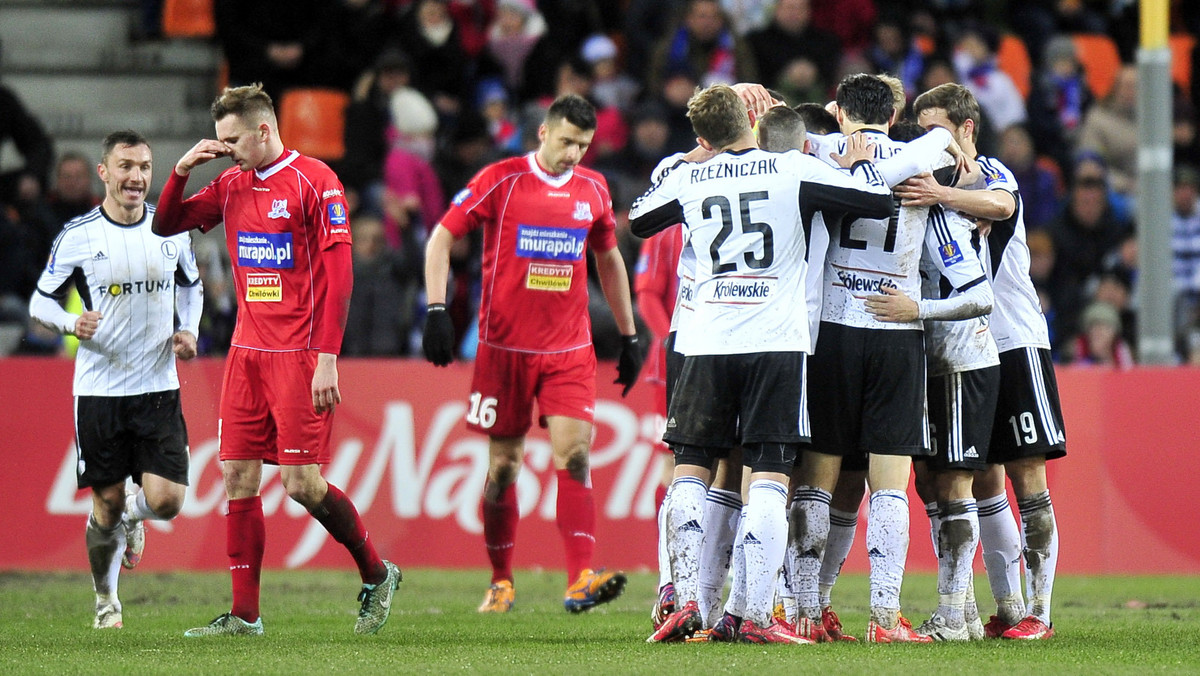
[
  {"x": 539, "y": 213},
  {"x": 289, "y": 240}
]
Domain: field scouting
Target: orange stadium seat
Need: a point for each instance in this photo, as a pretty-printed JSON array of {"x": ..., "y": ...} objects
[
  {"x": 1013, "y": 58},
  {"x": 1101, "y": 61},
  {"x": 1182, "y": 45},
  {"x": 312, "y": 120},
  {"x": 188, "y": 19}
]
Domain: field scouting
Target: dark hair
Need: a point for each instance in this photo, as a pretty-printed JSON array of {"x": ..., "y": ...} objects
[
  {"x": 906, "y": 130},
  {"x": 958, "y": 102},
  {"x": 865, "y": 98},
  {"x": 249, "y": 103},
  {"x": 574, "y": 109},
  {"x": 125, "y": 137},
  {"x": 816, "y": 119},
  {"x": 781, "y": 129}
]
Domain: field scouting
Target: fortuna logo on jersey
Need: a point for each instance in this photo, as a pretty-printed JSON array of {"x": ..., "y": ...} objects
[
  {"x": 278, "y": 209},
  {"x": 549, "y": 276},
  {"x": 149, "y": 286},
  {"x": 265, "y": 249},
  {"x": 549, "y": 243},
  {"x": 264, "y": 287},
  {"x": 743, "y": 290},
  {"x": 583, "y": 212}
]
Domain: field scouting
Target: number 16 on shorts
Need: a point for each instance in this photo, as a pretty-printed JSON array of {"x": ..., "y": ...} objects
[{"x": 482, "y": 410}]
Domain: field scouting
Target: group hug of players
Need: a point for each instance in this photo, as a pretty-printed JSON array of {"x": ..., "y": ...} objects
[{"x": 844, "y": 303}]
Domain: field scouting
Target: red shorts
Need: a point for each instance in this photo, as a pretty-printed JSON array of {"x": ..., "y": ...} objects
[
  {"x": 267, "y": 411},
  {"x": 507, "y": 382}
]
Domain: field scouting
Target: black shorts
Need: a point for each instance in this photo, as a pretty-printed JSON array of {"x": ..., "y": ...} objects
[
  {"x": 121, "y": 437},
  {"x": 866, "y": 391},
  {"x": 723, "y": 400},
  {"x": 961, "y": 409},
  {"x": 674, "y": 365},
  {"x": 1029, "y": 420}
]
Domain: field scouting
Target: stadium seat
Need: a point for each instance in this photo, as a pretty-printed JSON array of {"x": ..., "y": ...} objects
[
  {"x": 1100, "y": 59},
  {"x": 311, "y": 120},
  {"x": 188, "y": 19},
  {"x": 1182, "y": 45},
  {"x": 1013, "y": 58}
]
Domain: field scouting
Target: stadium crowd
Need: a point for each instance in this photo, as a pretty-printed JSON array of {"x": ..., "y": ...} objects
[{"x": 441, "y": 88}]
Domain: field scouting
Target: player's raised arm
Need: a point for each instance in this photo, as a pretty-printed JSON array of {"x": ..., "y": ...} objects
[{"x": 175, "y": 215}]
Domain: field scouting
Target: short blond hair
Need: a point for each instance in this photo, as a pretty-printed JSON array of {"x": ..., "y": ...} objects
[
  {"x": 718, "y": 115},
  {"x": 250, "y": 103},
  {"x": 899, "y": 97}
]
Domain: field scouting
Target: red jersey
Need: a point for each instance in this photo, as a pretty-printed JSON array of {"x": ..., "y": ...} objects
[
  {"x": 535, "y": 231},
  {"x": 656, "y": 284},
  {"x": 278, "y": 222}
]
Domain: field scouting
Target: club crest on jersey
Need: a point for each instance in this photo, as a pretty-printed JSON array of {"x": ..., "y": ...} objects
[
  {"x": 549, "y": 276},
  {"x": 550, "y": 243},
  {"x": 583, "y": 212},
  {"x": 337, "y": 213},
  {"x": 264, "y": 287},
  {"x": 265, "y": 249},
  {"x": 170, "y": 249},
  {"x": 278, "y": 209},
  {"x": 951, "y": 254}
]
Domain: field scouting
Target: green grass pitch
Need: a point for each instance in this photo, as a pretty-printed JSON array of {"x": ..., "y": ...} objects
[{"x": 1105, "y": 625}]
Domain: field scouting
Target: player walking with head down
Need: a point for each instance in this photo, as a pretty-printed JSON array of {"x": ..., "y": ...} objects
[
  {"x": 539, "y": 214},
  {"x": 289, "y": 239},
  {"x": 745, "y": 341},
  {"x": 128, "y": 420}
]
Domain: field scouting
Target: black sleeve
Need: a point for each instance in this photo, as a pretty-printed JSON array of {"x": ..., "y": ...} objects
[
  {"x": 657, "y": 220},
  {"x": 946, "y": 175}
]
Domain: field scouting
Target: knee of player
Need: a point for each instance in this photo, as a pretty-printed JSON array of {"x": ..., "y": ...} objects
[
  {"x": 167, "y": 507},
  {"x": 575, "y": 461}
]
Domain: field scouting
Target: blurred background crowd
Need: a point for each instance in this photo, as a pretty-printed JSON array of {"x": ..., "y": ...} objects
[{"x": 426, "y": 92}]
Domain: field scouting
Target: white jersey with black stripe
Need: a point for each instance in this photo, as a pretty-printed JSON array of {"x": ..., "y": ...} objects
[
  {"x": 867, "y": 255},
  {"x": 747, "y": 217},
  {"x": 949, "y": 266},
  {"x": 129, "y": 275},
  {"x": 1017, "y": 319},
  {"x": 686, "y": 267}
]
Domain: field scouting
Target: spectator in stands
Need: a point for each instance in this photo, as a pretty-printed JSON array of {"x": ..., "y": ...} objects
[
  {"x": 852, "y": 21},
  {"x": 628, "y": 171},
  {"x": 1185, "y": 245},
  {"x": 893, "y": 50},
  {"x": 412, "y": 198},
  {"x": 19, "y": 270},
  {"x": 1057, "y": 101},
  {"x": 747, "y": 16},
  {"x": 512, "y": 37},
  {"x": 1041, "y": 272},
  {"x": 1184, "y": 132},
  {"x": 492, "y": 102},
  {"x": 646, "y": 22},
  {"x": 1110, "y": 130},
  {"x": 28, "y": 181},
  {"x": 1041, "y": 188},
  {"x": 790, "y": 36},
  {"x": 704, "y": 47},
  {"x": 1038, "y": 21},
  {"x": 366, "y": 131},
  {"x": 611, "y": 88},
  {"x": 1099, "y": 342},
  {"x": 1084, "y": 235},
  {"x": 975, "y": 63},
  {"x": 74, "y": 190},
  {"x": 220, "y": 305},
  {"x": 385, "y": 290},
  {"x": 440, "y": 63},
  {"x": 471, "y": 20}
]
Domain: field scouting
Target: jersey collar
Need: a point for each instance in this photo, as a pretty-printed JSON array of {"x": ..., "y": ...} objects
[
  {"x": 145, "y": 212},
  {"x": 555, "y": 181},
  {"x": 286, "y": 159}
]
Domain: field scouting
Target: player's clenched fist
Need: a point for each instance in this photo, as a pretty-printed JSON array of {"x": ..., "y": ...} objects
[
  {"x": 438, "y": 340},
  {"x": 86, "y": 325}
]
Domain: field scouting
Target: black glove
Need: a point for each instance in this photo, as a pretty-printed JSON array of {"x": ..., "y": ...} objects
[
  {"x": 629, "y": 364},
  {"x": 438, "y": 341}
]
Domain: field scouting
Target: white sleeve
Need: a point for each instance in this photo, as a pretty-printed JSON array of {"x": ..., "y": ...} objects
[
  {"x": 948, "y": 243},
  {"x": 920, "y": 154},
  {"x": 49, "y": 313},
  {"x": 189, "y": 289}
]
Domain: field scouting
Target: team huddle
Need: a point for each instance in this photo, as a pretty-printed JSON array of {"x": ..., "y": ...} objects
[
  {"x": 842, "y": 304},
  {"x": 826, "y": 333}
]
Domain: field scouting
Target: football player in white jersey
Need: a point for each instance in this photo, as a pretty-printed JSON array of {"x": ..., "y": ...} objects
[
  {"x": 745, "y": 340},
  {"x": 867, "y": 385},
  {"x": 142, "y": 298},
  {"x": 1028, "y": 428}
]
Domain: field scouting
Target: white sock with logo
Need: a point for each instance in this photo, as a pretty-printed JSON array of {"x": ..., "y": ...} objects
[
  {"x": 806, "y": 549},
  {"x": 1040, "y": 532},
  {"x": 764, "y": 540},
  {"x": 1000, "y": 541},
  {"x": 887, "y": 547},
  {"x": 105, "y": 546},
  {"x": 958, "y": 536},
  {"x": 722, "y": 513},
  {"x": 843, "y": 526},
  {"x": 685, "y": 530}
]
